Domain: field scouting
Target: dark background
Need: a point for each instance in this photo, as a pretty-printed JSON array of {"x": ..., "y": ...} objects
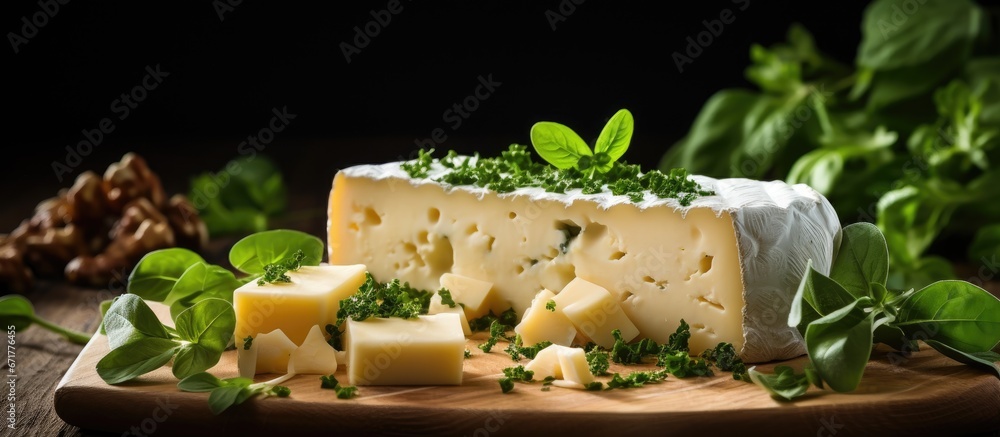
[{"x": 225, "y": 76}]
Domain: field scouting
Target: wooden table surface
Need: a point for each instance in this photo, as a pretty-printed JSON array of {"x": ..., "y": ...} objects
[{"x": 42, "y": 358}]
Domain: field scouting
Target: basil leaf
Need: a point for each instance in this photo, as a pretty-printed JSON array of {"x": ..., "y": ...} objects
[
  {"x": 716, "y": 132},
  {"x": 816, "y": 297},
  {"x": 910, "y": 219},
  {"x": 194, "y": 358},
  {"x": 986, "y": 360},
  {"x": 956, "y": 313},
  {"x": 895, "y": 338},
  {"x": 820, "y": 169},
  {"x": 863, "y": 259},
  {"x": 558, "y": 144},
  {"x": 203, "y": 278},
  {"x": 783, "y": 384},
  {"x": 255, "y": 251},
  {"x": 209, "y": 323},
  {"x": 840, "y": 344},
  {"x": 158, "y": 271},
  {"x": 16, "y": 310},
  {"x": 615, "y": 137},
  {"x": 224, "y": 397},
  {"x": 931, "y": 28},
  {"x": 130, "y": 319},
  {"x": 136, "y": 358},
  {"x": 199, "y": 382}
]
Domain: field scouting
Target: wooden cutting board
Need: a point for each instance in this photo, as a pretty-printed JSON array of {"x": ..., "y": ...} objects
[{"x": 928, "y": 394}]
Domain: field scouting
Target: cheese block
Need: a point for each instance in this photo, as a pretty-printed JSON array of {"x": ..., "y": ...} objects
[
  {"x": 314, "y": 356},
  {"x": 427, "y": 350},
  {"x": 594, "y": 312},
  {"x": 538, "y": 324},
  {"x": 437, "y": 307},
  {"x": 728, "y": 264},
  {"x": 311, "y": 298}
]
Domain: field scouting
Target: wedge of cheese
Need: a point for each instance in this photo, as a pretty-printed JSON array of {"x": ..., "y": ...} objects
[{"x": 728, "y": 264}]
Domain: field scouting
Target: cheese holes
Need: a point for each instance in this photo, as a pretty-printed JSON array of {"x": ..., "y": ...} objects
[
  {"x": 512, "y": 215},
  {"x": 705, "y": 264},
  {"x": 433, "y": 215},
  {"x": 626, "y": 295},
  {"x": 372, "y": 218},
  {"x": 617, "y": 256},
  {"x": 711, "y": 303},
  {"x": 661, "y": 284}
]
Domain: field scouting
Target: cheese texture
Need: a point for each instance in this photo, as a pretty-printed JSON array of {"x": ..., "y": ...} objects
[
  {"x": 314, "y": 356},
  {"x": 428, "y": 350},
  {"x": 728, "y": 264},
  {"x": 538, "y": 324},
  {"x": 311, "y": 298},
  {"x": 436, "y": 307},
  {"x": 594, "y": 312},
  {"x": 475, "y": 296}
]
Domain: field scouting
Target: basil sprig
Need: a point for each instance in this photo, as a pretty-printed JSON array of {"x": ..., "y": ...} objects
[
  {"x": 843, "y": 315},
  {"x": 563, "y": 148}
]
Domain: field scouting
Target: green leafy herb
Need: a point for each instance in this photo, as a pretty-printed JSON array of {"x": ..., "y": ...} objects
[
  {"x": 681, "y": 365},
  {"x": 140, "y": 343},
  {"x": 446, "y": 298},
  {"x": 376, "y": 299},
  {"x": 512, "y": 374},
  {"x": 498, "y": 332},
  {"x": 17, "y": 311},
  {"x": 506, "y": 384},
  {"x": 517, "y": 351},
  {"x": 275, "y": 272},
  {"x": 254, "y": 253},
  {"x": 241, "y": 197},
  {"x": 593, "y": 386},
  {"x": 247, "y": 342},
  {"x": 485, "y": 323},
  {"x": 550, "y": 305},
  {"x": 468, "y": 353},
  {"x": 625, "y": 353},
  {"x": 224, "y": 393},
  {"x": 636, "y": 379},
  {"x": 515, "y": 169},
  {"x": 342, "y": 391},
  {"x": 907, "y": 137},
  {"x": 597, "y": 360},
  {"x": 678, "y": 341},
  {"x": 841, "y": 317},
  {"x": 725, "y": 357}
]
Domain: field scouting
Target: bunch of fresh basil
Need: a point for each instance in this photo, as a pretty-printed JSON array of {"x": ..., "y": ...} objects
[
  {"x": 908, "y": 137},
  {"x": 843, "y": 315},
  {"x": 241, "y": 197}
]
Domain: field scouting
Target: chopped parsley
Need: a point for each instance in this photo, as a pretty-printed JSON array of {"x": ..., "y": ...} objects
[
  {"x": 342, "y": 391},
  {"x": 276, "y": 272},
  {"x": 335, "y": 340},
  {"x": 637, "y": 379},
  {"x": 550, "y": 305},
  {"x": 446, "y": 298},
  {"x": 681, "y": 365},
  {"x": 281, "y": 391},
  {"x": 498, "y": 331},
  {"x": 468, "y": 353},
  {"x": 376, "y": 299},
  {"x": 506, "y": 385},
  {"x": 725, "y": 357},
  {"x": 517, "y": 351},
  {"x": 625, "y": 353},
  {"x": 515, "y": 169},
  {"x": 485, "y": 323},
  {"x": 511, "y": 374},
  {"x": 597, "y": 358},
  {"x": 594, "y": 386},
  {"x": 247, "y": 342}
]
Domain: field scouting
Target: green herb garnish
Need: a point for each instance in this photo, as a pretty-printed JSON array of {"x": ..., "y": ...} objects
[
  {"x": 511, "y": 374},
  {"x": 842, "y": 315},
  {"x": 225, "y": 393},
  {"x": 376, "y": 299},
  {"x": 17, "y": 311},
  {"x": 550, "y": 305},
  {"x": 140, "y": 343},
  {"x": 485, "y": 323},
  {"x": 343, "y": 391},
  {"x": 468, "y": 353},
  {"x": 597, "y": 359},
  {"x": 625, "y": 353},
  {"x": 574, "y": 166},
  {"x": 446, "y": 298},
  {"x": 240, "y": 198},
  {"x": 517, "y": 351},
  {"x": 725, "y": 357},
  {"x": 637, "y": 379},
  {"x": 276, "y": 272},
  {"x": 247, "y": 343}
]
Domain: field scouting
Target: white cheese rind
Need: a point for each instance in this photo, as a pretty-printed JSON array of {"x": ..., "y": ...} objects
[{"x": 752, "y": 238}]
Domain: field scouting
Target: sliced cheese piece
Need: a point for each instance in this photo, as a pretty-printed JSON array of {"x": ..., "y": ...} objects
[
  {"x": 436, "y": 307},
  {"x": 311, "y": 298},
  {"x": 573, "y": 363},
  {"x": 314, "y": 356},
  {"x": 246, "y": 359},
  {"x": 474, "y": 295},
  {"x": 728, "y": 263},
  {"x": 273, "y": 351},
  {"x": 594, "y": 312},
  {"x": 428, "y": 350},
  {"x": 540, "y": 324},
  {"x": 546, "y": 363}
]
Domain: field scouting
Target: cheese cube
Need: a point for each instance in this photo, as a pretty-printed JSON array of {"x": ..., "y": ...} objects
[
  {"x": 573, "y": 363},
  {"x": 428, "y": 350},
  {"x": 436, "y": 307},
  {"x": 546, "y": 363},
  {"x": 315, "y": 356},
  {"x": 595, "y": 312},
  {"x": 726, "y": 263},
  {"x": 472, "y": 293},
  {"x": 311, "y": 298},
  {"x": 539, "y": 324},
  {"x": 273, "y": 351}
]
